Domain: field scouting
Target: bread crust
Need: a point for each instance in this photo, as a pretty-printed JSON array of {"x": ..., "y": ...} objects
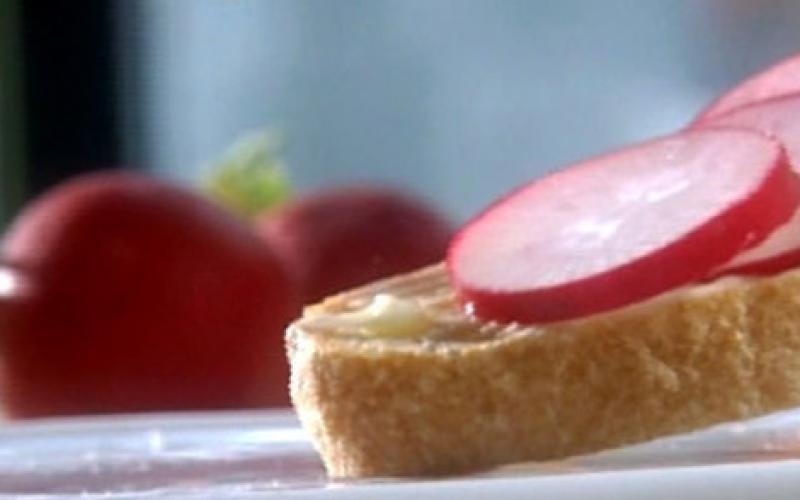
[{"x": 496, "y": 394}]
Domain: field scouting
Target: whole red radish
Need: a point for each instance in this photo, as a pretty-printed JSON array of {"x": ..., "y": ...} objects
[
  {"x": 142, "y": 297},
  {"x": 623, "y": 227},
  {"x": 780, "y": 79},
  {"x": 338, "y": 238}
]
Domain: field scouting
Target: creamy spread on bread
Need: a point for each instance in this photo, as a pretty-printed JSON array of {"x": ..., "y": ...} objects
[
  {"x": 385, "y": 315},
  {"x": 407, "y": 314}
]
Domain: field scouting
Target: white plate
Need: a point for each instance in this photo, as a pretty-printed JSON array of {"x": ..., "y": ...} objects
[{"x": 266, "y": 454}]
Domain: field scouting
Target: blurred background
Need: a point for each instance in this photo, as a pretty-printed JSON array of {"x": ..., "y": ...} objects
[{"x": 456, "y": 100}]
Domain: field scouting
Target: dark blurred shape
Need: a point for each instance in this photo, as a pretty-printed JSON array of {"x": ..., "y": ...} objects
[
  {"x": 11, "y": 121},
  {"x": 69, "y": 89}
]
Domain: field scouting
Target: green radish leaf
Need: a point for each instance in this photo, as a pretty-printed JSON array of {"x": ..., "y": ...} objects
[{"x": 250, "y": 178}]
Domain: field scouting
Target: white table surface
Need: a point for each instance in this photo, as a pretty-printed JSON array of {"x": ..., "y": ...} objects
[{"x": 252, "y": 455}]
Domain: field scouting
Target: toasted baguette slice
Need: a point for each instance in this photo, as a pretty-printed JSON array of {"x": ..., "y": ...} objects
[{"x": 467, "y": 395}]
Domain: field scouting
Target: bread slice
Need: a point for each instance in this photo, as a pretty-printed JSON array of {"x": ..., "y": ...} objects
[{"x": 465, "y": 395}]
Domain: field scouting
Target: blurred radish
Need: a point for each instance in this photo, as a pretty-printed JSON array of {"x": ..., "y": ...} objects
[
  {"x": 142, "y": 297},
  {"x": 341, "y": 237},
  {"x": 333, "y": 238}
]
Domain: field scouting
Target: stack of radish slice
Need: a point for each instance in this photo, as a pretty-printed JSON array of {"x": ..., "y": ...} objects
[
  {"x": 779, "y": 118},
  {"x": 720, "y": 198}
]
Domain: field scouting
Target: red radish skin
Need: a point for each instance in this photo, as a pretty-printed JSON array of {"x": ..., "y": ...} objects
[
  {"x": 780, "y": 79},
  {"x": 143, "y": 297},
  {"x": 777, "y": 118},
  {"x": 338, "y": 238},
  {"x": 773, "y": 265},
  {"x": 624, "y": 227}
]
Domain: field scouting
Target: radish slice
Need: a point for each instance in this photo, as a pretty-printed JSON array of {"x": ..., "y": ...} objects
[
  {"x": 780, "y": 79},
  {"x": 623, "y": 227},
  {"x": 776, "y": 117},
  {"x": 779, "y": 252}
]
